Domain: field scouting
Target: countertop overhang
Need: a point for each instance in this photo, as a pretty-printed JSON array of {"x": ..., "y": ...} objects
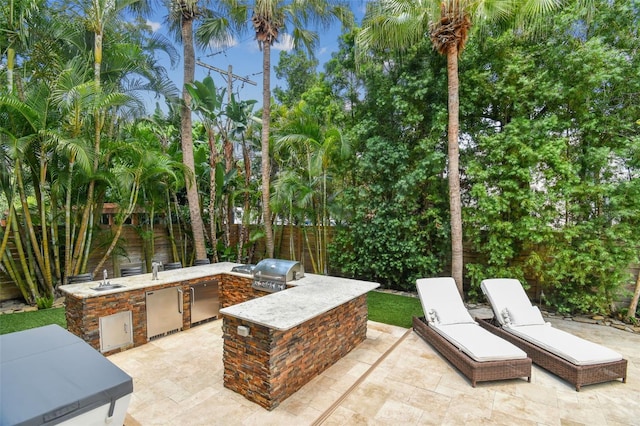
[{"x": 309, "y": 297}]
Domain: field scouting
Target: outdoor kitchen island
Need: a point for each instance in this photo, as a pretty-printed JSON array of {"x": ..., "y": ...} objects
[{"x": 274, "y": 345}]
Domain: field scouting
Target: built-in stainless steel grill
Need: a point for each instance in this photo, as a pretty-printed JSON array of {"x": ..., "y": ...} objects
[{"x": 272, "y": 275}]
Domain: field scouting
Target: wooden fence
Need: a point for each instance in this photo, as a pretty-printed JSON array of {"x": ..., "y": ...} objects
[{"x": 290, "y": 243}]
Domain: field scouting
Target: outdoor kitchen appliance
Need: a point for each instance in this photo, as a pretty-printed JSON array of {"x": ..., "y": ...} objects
[
  {"x": 244, "y": 269},
  {"x": 272, "y": 275},
  {"x": 164, "y": 311},
  {"x": 205, "y": 302}
]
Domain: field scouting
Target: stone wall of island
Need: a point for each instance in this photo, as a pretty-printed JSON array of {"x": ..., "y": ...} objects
[
  {"x": 236, "y": 289},
  {"x": 269, "y": 365},
  {"x": 83, "y": 313}
]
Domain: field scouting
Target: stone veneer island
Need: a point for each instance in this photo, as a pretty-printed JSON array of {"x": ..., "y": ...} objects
[{"x": 274, "y": 343}]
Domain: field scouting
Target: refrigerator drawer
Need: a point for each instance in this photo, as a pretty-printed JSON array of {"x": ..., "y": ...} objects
[
  {"x": 205, "y": 303},
  {"x": 164, "y": 312}
]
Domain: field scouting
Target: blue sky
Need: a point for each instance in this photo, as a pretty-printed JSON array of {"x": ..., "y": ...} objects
[{"x": 246, "y": 59}]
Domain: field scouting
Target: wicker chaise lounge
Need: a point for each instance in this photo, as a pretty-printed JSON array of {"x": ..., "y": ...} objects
[
  {"x": 576, "y": 360},
  {"x": 448, "y": 327}
]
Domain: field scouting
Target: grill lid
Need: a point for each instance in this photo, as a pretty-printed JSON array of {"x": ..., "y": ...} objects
[
  {"x": 278, "y": 270},
  {"x": 244, "y": 269}
]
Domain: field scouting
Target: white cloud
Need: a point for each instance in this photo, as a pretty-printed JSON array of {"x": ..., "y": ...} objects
[
  {"x": 155, "y": 26},
  {"x": 223, "y": 44},
  {"x": 285, "y": 42}
]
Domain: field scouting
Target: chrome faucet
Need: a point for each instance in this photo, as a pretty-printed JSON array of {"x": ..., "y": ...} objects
[
  {"x": 155, "y": 266},
  {"x": 104, "y": 278}
]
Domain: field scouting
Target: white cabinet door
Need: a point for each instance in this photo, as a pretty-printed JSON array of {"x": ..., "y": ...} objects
[{"x": 115, "y": 331}]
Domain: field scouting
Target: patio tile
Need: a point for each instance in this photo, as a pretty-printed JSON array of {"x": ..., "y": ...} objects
[
  {"x": 396, "y": 412},
  {"x": 178, "y": 381},
  {"x": 344, "y": 416}
]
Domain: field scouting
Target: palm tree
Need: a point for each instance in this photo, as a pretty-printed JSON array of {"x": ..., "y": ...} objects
[
  {"x": 398, "y": 24},
  {"x": 73, "y": 94},
  {"x": 135, "y": 168},
  {"x": 99, "y": 16},
  {"x": 182, "y": 14},
  {"x": 269, "y": 19},
  {"x": 206, "y": 100},
  {"x": 243, "y": 125},
  {"x": 215, "y": 26},
  {"x": 309, "y": 147},
  {"x": 13, "y": 20}
]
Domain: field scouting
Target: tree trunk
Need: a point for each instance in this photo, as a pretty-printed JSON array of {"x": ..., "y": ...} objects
[
  {"x": 28, "y": 286},
  {"x": 45, "y": 249},
  {"x": 174, "y": 249},
  {"x": 455, "y": 206},
  {"x": 197, "y": 225},
  {"x": 227, "y": 202},
  {"x": 634, "y": 301},
  {"x": 30, "y": 238},
  {"x": 82, "y": 242},
  {"x": 244, "y": 226},
  {"x": 11, "y": 55},
  {"x": 266, "y": 161},
  {"x": 213, "y": 162}
]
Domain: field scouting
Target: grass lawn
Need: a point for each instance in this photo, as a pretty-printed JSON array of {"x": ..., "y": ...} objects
[
  {"x": 393, "y": 309},
  {"x": 383, "y": 307},
  {"x": 25, "y": 320}
]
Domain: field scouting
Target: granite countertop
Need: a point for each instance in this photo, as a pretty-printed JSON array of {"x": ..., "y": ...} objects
[
  {"x": 311, "y": 296},
  {"x": 308, "y": 297},
  {"x": 137, "y": 282}
]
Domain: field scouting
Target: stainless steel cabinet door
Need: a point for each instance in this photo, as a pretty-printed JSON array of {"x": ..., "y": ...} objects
[
  {"x": 115, "y": 331},
  {"x": 205, "y": 303},
  {"x": 164, "y": 311}
]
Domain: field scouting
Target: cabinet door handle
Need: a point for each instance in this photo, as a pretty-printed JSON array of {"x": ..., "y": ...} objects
[
  {"x": 126, "y": 330},
  {"x": 193, "y": 296},
  {"x": 180, "y": 300}
]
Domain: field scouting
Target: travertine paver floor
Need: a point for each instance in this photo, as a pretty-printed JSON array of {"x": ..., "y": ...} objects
[{"x": 178, "y": 381}]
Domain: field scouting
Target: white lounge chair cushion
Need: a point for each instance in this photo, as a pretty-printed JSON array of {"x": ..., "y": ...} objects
[
  {"x": 530, "y": 316},
  {"x": 506, "y": 293},
  {"x": 441, "y": 302},
  {"x": 478, "y": 343},
  {"x": 574, "y": 349},
  {"x": 449, "y": 316}
]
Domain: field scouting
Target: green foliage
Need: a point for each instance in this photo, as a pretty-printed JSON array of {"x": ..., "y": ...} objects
[
  {"x": 44, "y": 302},
  {"x": 393, "y": 209},
  {"x": 395, "y": 233},
  {"x": 299, "y": 71},
  {"x": 550, "y": 151},
  {"x": 553, "y": 173}
]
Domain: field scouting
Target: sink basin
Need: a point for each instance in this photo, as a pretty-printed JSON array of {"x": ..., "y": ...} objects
[{"x": 107, "y": 287}]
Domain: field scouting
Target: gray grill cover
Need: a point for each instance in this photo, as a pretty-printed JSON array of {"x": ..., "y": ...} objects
[{"x": 50, "y": 375}]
